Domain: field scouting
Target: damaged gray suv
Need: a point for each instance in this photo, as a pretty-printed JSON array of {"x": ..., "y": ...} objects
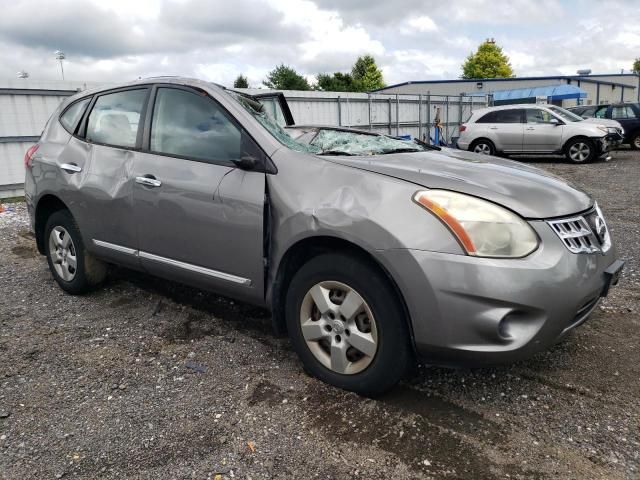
[{"x": 368, "y": 251}]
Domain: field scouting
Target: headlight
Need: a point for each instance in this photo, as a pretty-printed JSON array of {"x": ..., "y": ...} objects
[{"x": 482, "y": 228}]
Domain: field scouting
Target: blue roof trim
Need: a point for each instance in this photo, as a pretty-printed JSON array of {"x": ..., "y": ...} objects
[
  {"x": 513, "y": 79},
  {"x": 553, "y": 92}
]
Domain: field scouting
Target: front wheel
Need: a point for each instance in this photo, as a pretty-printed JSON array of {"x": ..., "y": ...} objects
[
  {"x": 635, "y": 141},
  {"x": 347, "y": 325},
  {"x": 580, "y": 150}
]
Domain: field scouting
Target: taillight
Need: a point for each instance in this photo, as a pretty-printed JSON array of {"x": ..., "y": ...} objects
[
  {"x": 462, "y": 128},
  {"x": 29, "y": 155}
]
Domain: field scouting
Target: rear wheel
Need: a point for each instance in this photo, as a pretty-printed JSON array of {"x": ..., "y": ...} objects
[
  {"x": 347, "y": 325},
  {"x": 484, "y": 147},
  {"x": 73, "y": 268},
  {"x": 635, "y": 141},
  {"x": 580, "y": 150}
]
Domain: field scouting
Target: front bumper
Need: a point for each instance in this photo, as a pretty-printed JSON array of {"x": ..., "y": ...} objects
[
  {"x": 469, "y": 310},
  {"x": 607, "y": 143}
]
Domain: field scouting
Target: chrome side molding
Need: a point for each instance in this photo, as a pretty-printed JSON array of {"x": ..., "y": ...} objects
[{"x": 175, "y": 263}]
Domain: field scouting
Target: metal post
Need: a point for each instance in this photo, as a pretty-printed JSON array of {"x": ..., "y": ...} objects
[
  {"x": 420, "y": 116},
  {"x": 428, "y": 139},
  {"x": 460, "y": 111},
  {"x": 339, "y": 113},
  {"x": 397, "y": 115},
  {"x": 597, "y": 93},
  {"x": 369, "y": 101},
  {"x": 446, "y": 123},
  {"x": 389, "y": 99}
]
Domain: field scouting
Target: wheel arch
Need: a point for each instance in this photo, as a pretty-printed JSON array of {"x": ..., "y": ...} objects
[
  {"x": 576, "y": 137},
  {"x": 46, "y": 206},
  {"x": 304, "y": 250}
]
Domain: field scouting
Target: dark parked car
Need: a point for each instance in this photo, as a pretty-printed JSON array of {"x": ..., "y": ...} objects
[
  {"x": 628, "y": 114},
  {"x": 367, "y": 249}
]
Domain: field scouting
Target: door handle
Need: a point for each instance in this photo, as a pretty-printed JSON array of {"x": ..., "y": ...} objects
[
  {"x": 529, "y": 128},
  {"x": 149, "y": 181},
  {"x": 70, "y": 168},
  {"x": 493, "y": 128}
]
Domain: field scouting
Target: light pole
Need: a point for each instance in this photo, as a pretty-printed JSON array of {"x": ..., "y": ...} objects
[{"x": 60, "y": 56}]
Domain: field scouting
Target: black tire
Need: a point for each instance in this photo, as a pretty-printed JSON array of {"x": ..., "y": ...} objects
[
  {"x": 575, "y": 151},
  {"x": 635, "y": 141},
  {"x": 89, "y": 272},
  {"x": 486, "y": 146},
  {"x": 393, "y": 355}
]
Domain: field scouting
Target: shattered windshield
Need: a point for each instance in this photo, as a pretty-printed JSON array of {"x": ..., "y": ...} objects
[
  {"x": 258, "y": 111},
  {"x": 327, "y": 141},
  {"x": 336, "y": 142}
]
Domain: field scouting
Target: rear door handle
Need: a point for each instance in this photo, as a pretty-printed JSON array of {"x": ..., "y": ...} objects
[
  {"x": 149, "y": 181},
  {"x": 530, "y": 128},
  {"x": 70, "y": 168},
  {"x": 493, "y": 128}
]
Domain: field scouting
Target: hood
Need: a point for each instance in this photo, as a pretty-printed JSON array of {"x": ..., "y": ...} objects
[
  {"x": 603, "y": 121},
  {"x": 528, "y": 191}
]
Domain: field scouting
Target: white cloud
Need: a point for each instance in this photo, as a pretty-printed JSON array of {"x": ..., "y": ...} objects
[{"x": 422, "y": 23}]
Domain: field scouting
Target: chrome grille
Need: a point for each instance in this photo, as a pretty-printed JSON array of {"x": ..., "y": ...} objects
[{"x": 586, "y": 233}]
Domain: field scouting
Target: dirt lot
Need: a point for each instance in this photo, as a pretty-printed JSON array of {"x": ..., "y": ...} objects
[{"x": 149, "y": 379}]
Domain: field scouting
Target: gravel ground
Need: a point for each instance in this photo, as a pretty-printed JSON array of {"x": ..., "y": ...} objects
[{"x": 149, "y": 379}]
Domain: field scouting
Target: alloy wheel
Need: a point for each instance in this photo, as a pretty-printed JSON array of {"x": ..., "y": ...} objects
[
  {"x": 63, "y": 253},
  {"x": 636, "y": 142},
  {"x": 338, "y": 327},
  {"x": 482, "y": 148},
  {"x": 579, "y": 152}
]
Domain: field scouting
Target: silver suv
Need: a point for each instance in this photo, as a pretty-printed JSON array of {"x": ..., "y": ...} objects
[
  {"x": 367, "y": 249},
  {"x": 538, "y": 129}
]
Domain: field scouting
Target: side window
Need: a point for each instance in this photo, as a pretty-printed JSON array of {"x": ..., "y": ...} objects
[
  {"x": 115, "y": 118},
  {"x": 536, "y": 115},
  {"x": 488, "y": 118},
  {"x": 622, "y": 112},
  {"x": 512, "y": 115},
  {"x": 69, "y": 119},
  {"x": 588, "y": 112},
  {"x": 189, "y": 125},
  {"x": 600, "y": 112}
]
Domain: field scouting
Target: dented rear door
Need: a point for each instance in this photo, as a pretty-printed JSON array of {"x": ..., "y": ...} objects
[{"x": 113, "y": 132}]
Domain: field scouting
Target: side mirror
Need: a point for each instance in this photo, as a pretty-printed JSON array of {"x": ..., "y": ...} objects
[
  {"x": 554, "y": 121},
  {"x": 246, "y": 162}
]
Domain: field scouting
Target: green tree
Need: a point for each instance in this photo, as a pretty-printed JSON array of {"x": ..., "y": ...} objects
[
  {"x": 487, "y": 62},
  {"x": 338, "y": 82},
  {"x": 366, "y": 74},
  {"x": 241, "y": 82},
  {"x": 636, "y": 66},
  {"x": 284, "y": 77}
]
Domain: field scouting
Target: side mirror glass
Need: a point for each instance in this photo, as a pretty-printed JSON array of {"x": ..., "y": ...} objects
[{"x": 554, "y": 121}]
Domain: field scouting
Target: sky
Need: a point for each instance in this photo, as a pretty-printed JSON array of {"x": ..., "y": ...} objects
[{"x": 121, "y": 40}]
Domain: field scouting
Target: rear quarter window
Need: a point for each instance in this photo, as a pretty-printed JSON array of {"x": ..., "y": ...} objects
[{"x": 72, "y": 115}]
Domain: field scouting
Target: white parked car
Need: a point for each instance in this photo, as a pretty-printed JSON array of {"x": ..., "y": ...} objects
[{"x": 538, "y": 129}]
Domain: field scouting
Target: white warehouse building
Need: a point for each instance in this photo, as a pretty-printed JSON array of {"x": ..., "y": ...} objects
[{"x": 584, "y": 89}]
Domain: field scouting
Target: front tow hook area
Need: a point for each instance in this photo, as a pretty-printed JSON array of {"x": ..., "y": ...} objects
[{"x": 612, "y": 276}]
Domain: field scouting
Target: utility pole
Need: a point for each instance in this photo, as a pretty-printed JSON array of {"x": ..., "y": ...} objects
[{"x": 60, "y": 56}]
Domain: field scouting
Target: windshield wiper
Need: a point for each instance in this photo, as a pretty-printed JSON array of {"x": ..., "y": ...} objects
[
  {"x": 336, "y": 152},
  {"x": 400, "y": 150},
  {"x": 426, "y": 145}
]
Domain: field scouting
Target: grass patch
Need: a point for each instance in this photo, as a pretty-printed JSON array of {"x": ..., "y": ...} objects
[{"x": 12, "y": 200}]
